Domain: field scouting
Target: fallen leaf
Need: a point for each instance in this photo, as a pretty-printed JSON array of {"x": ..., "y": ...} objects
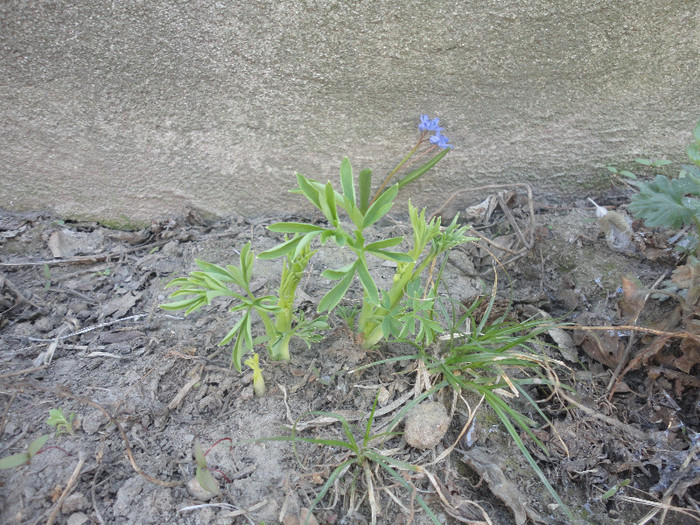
[
  {"x": 604, "y": 347},
  {"x": 690, "y": 357}
]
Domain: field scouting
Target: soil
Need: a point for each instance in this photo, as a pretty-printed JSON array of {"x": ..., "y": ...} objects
[{"x": 81, "y": 330}]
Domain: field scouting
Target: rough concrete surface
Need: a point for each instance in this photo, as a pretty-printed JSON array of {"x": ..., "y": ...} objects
[{"x": 133, "y": 109}]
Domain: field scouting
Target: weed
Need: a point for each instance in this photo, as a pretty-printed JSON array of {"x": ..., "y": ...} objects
[
  {"x": 383, "y": 313},
  {"x": 258, "y": 380},
  {"x": 204, "y": 473},
  {"x": 362, "y": 461},
  {"x": 24, "y": 458},
  {"x": 671, "y": 202},
  {"x": 59, "y": 421}
]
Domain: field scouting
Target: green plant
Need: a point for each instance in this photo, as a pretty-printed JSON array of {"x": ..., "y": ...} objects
[
  {"x": 276, "y": 312},
  {"x": 203, "y": 473},
  {"x": 381, "y": 315},
  {"x": 405, "y": 308},
  {"x": 362, "y": 461},
  {"x": 59, "y": 421},
  {"x": 258, "y": 380},
  {"x": 492, "y": 358},
  {"x": 23, "y": 458},
  {"x": 672, "y": 202}
]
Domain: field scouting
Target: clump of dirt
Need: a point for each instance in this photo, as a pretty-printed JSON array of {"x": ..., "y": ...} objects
[{"x": 81, "y": 330}]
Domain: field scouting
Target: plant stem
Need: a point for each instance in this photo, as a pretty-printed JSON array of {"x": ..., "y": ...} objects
[{"x": 397, "y": 168}]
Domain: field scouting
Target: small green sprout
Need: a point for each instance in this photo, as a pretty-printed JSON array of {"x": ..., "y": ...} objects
[
  {"x": 24, "y": 458},
  {"x": 58, "y": 420},
  {"x": 258, "y": 380},
  {"x": 205, "y": 478}
]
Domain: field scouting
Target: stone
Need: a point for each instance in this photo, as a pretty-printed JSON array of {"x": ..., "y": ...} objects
[
  {"x": 75, "y": 502},
  {"x": 426, "y": 425}
]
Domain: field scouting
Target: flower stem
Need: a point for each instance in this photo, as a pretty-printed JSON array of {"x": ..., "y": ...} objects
[{"x": 397, "y": 168}]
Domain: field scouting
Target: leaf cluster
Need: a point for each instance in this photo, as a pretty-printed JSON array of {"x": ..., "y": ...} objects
[
  {"x": 58, "y": 420},
  {"x": 382, "y": 310},
  {"x": 671, "y": 202}
]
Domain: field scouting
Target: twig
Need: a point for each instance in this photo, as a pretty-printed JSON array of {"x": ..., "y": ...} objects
[
  {"x": 88, "y": 258},
  {"x": 637, "y": 434},
  {"x": 73, "y": 334},
  {"x": 196, "y": 378},
  {"x": 4, "y": 414},
  {"x": 67, "y": 490}
]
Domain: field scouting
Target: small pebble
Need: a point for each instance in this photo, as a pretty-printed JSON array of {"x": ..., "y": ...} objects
[
  {"x": 79, "y": 518},
  {"x": 74, "y": 503},
  {"x": 197, "y": 491}
]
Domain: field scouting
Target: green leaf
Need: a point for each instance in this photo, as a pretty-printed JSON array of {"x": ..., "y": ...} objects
[
  {"x": 696, "y": 132},
  {"x": 392, "y": 256},
  {"x": 217, "y": 271},
  {"x": 199, "y": 456},
  {"x": 334, "y": 275},
  {"x": 693, "y": 151},
  {"x": 346, "y": 181},
  {"x": 380, "y": 207},
  {"x": 332, "y": 298},
  {"x": 414, "y": 175},
  {"x": 330, "y": 210},
  {"x": 15, "y": 460},
  {"x": 236, "y": 328},
  {"x": 365, "y": 182},
  {"x": 280, "y": 250},
  {"x": 367, "y": 281},
  {"x": 207, "y": 481},
  {"x": 386, "y": 243},
  {"x": 643, "y": 162},
  {"x": 308, "y": 190},
  {"x": 294, "y": 227},
  {"x": 246, "y": 259},
  {"x": 663, "y": 203},
  {"x": 36, "y": 445}
]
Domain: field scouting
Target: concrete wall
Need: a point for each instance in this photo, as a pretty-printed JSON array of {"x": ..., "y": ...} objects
[{"x": 135, "y": 108}]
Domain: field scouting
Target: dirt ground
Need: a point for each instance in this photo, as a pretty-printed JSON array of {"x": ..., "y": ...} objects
[{"x": 80, "y": 330}]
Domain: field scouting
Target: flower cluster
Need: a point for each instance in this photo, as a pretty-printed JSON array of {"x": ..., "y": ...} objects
[{"x": 428, "y": 124}]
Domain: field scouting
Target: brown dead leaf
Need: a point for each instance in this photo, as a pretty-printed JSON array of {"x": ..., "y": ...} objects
[
  {"x": 604, "y": 347},
  {"x": 633, "y": 298},
  {"x": 690, "y": 357},
  {"x": 683, "y": 276}
]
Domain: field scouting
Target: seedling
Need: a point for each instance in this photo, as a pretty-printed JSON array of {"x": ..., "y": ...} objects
[
  {"x": 406, "y": 308},
  {"x": 24, "y": 458},
  {"x": 204, "y": 473},
  {"x": 58, "y": 420},
  {"x": 258, "y": 380}
]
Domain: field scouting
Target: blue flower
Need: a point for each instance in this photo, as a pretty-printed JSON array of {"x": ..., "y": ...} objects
[
  {"x": 429, "y": 125},
  {"x": 440, "y": 140}
]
